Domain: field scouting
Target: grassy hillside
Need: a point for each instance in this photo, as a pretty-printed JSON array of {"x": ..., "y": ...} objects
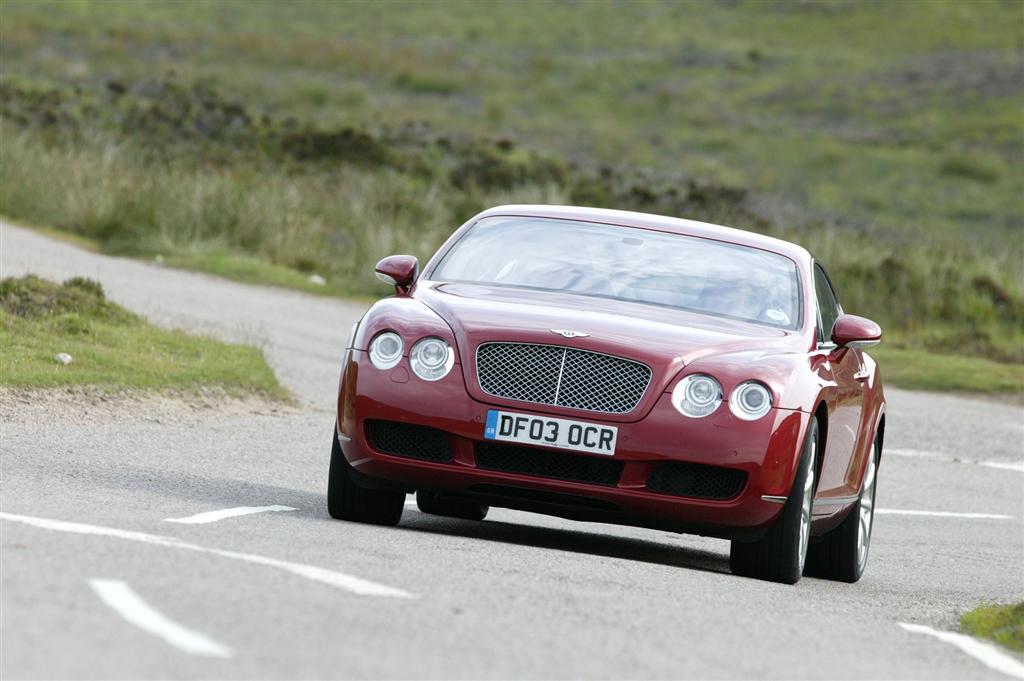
[{"x": 280, "y": 140}]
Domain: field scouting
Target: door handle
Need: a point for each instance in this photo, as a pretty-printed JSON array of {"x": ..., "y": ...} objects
[{"x": 862, "y": 375}]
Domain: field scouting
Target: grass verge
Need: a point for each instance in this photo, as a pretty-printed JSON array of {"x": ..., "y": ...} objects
[
  {"x": 923, "y": 370},
  {"x": 1003, "y": 624},
  {"x": 112, "y": 348}
]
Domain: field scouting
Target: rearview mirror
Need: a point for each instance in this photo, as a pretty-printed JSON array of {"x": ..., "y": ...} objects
[
  {"x": 851, "y": 331},
  {"x": 398, "y": 270}
]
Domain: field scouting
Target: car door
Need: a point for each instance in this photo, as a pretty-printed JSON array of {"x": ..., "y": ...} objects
[{"x": 845, "y": 398}]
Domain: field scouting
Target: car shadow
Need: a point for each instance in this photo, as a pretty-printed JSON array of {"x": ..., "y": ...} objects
[
  {"x": 572, "y": 540},
  {"x": 217, "y": 492}
]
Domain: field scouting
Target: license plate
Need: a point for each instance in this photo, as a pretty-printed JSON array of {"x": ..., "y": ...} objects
[{"x": 545, "y": 431}]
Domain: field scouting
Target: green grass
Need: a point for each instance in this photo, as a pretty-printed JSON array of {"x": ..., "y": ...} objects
[
  {"x": 1003, "y": 624},
  {"x": 111, "y": 348},
  {"x": 923, "y": 370},
  {"x": 270, "y": 143}
]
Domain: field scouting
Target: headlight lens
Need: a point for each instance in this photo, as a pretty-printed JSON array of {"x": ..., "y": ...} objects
[
  {"x": 697, "y": 395},
  {"x": 431, "y": 359},
  {"x": 750, "y": 401},
  {"x": 386, "y": 350}
]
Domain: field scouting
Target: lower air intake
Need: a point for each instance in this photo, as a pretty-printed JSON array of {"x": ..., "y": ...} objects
[
  {"x": 408, "y": 440},
  {"x": 547, "y": 463},
  {"x": 697, "y": 480}
]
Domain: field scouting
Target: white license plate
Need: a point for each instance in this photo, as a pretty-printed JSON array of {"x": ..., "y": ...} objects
[{"x": 550, "y": 432}]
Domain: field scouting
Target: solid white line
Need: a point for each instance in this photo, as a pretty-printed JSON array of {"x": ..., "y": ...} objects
[
  {"x": 214, "y": 516},
  {"x": 945, "y": 514},
  {"x": 130, "y": 606},
  {"x": 356, "y": 585},
  {"x": 936, "y": 456},
  {"x": 984, "y": 652}
]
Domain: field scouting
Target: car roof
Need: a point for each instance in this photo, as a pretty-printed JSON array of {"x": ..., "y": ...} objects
[{"x": 664, "y": 223}]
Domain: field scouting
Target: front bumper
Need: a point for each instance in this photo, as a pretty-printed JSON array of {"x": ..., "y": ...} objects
[{"x": 767, "y": 451}]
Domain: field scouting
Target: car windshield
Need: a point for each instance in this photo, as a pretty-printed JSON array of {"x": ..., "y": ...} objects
[{"x": 624, "y": 263}]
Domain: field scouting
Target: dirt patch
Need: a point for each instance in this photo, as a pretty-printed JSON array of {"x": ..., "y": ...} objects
[
  {"x": 93, "y": 405},
  {"x": 985, "y": 73}
]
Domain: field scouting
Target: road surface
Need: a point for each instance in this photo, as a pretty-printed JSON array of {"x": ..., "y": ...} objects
[{"x": 96, "y": 582}]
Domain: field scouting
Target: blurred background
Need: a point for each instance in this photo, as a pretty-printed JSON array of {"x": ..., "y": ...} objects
[{"x": 297, "y": 143}]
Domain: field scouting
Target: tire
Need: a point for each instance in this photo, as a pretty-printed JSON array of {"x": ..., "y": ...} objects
[
  {"x": 780, "y": 554},
  {"x": 434, "y": 504},
  {"x": 348, "y": 501},
  {"x": 842, "y": 554}
]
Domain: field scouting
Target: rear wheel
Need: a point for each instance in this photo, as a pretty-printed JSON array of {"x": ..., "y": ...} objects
[
  {"x": 780, "y": 554},
  {"x": 348, "y": 501},
  {"x": 842, "y": 554},
  {"x": 434, "y": 504}
]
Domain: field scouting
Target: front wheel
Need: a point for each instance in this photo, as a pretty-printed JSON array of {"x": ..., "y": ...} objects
[
  {"x": 348, "y": 501},
  {"x": 842, "y": 554},
  {"x": 780, "y": 554}
]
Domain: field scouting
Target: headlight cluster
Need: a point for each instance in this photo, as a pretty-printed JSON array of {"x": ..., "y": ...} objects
[
  {"x": 698, "y": 395},
  {"x": 430, "y": 358}
]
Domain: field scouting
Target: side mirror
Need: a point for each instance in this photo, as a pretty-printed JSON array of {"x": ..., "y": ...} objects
[
  {"x": 851, "y": 331},
  {"x": 398, "y": 270}
]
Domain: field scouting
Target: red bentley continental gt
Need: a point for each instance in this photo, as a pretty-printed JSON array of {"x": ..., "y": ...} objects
[{"x": 618, "y": 367}]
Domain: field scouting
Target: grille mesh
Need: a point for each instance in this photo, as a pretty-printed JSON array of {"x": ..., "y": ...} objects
[
  {"x": 697, "y": 480},
  {"x": 560, "y": 376},
  {"x": 408, "y": 440},
  {"x": 546, "y": 463}
]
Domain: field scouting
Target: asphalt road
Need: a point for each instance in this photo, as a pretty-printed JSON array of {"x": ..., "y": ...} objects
[{"x": 294, "y": 594}]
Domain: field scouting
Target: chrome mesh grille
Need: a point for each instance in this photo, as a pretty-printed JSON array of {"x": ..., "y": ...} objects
[{"x": 560, "y": 376}]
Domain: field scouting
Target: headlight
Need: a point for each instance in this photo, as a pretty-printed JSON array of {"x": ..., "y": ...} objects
[
  {"x": 431, "y": 359},
  {"x": 750, "y": 401},
  {"x": 697, "y": 395},
  {"x": 386, "y": 350}
]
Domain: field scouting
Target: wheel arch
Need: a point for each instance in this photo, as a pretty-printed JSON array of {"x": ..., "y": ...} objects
[
  {"x": 880, "y": 434},
  {"x": 821, "y": 415}
]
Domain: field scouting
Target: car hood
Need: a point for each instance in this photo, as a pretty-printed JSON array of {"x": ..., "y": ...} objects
[{"x": 666, "y": 339}]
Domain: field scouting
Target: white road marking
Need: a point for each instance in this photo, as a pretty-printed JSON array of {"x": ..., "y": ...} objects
[
  {"x": 130, "y": 606},
  {"x": 936, "y": 456},
  {"x": 986, "y": 653},
  {"x": 356, "y": 585},
  {"x": 214, "y": 516},
  {"x": 945, "y": 514},
  {"x": 1004, "y": 465}
]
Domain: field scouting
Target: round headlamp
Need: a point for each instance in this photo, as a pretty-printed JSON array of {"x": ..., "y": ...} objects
[
  {"x": 386, "y": 350},
  {"x": 750, "y": 401},
  {"x": 697, "y": 395},
  {"x": 431, "y": 359}
]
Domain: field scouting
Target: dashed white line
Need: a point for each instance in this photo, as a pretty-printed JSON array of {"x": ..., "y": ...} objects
[
  {"x": 937, "y": 456},
  {"x": 356, "y": 585},
  {"x": 1004, "y": 465},
  {"x": 944, "y": 514},
  {"x": 986, "y": 653},
  {"x": 130, "y": 606},
  {"x": 214, "y": 516}
]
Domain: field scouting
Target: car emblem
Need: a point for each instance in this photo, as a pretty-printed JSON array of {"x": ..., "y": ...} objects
[{"x": 569, "y": 333}]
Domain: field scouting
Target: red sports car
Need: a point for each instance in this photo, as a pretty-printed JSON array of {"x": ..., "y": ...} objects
[{"x": 618, "y": 367}]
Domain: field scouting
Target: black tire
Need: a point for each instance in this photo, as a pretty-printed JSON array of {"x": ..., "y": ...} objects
[
  {"x": 434, "y": 504},
  {"x": 779, "y": 555},
  {"x": 839, "y": 554},
  {"x": 348, "y": 501}
]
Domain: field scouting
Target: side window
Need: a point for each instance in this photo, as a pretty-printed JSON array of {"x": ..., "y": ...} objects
[{"x": 828, "y": 306}]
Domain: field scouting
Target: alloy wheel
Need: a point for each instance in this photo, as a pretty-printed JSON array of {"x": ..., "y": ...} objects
[
  {"x": 805, "y": 507},
  {"x": 867, "y": 512}
]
